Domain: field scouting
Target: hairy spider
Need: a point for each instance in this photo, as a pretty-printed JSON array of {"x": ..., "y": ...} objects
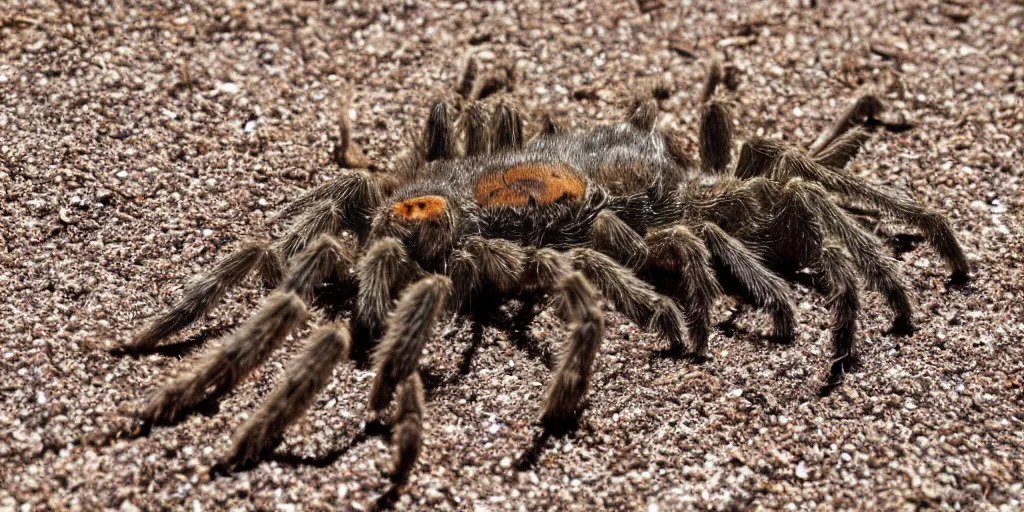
[{"x": 477, "y": 214}]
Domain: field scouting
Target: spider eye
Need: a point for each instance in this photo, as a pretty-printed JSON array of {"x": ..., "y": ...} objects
[{"x": 419, "y": 208}]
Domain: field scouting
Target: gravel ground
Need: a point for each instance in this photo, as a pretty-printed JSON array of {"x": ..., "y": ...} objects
[{"x": 140, "y": 140}]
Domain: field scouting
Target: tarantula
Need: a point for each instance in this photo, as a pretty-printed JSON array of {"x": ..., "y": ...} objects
[{"x": 479, "y": 215}]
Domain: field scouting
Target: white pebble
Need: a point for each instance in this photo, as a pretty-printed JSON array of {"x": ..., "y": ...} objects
[
  {"x": 228, "y": 87},
  {"x": 801, "y": 471}
]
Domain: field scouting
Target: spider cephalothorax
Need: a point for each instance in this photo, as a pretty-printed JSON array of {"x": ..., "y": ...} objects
[{"x": 478, "y": 215}]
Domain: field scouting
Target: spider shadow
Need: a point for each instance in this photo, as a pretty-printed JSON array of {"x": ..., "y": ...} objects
[
  {"x": 489, "y": 313},
  {"x": 177, "y": 349},
  {"x": 540, "y": 442},
  {"x": 517, "y": 328},
  {"x": 370, "y": 430}
]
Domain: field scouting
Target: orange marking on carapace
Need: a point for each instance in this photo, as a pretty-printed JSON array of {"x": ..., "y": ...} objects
[
  {"x": 545, "y": 183},
  {"x": 420, "y": 208}
]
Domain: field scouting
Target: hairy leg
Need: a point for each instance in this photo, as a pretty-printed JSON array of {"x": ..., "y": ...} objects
[
  {"x": 439, "y": 134},
  {"x": 805, "y": 239},
  {"x": 355, "y": 193},
  {"x": 715, "y": 124},
  {"x": 500, "y": 261},
  {"x": 410, "y": 325},
  {"x": 762, "y": 157},
  {"x": 307, "y": 374},
  {"x": 506, "y": 129},
  {"x": 383, "y": 268},
  {"x": 676, "y": 251},
  {"x": 840, "y": 279},
  {"x": 547, "y": 270},
  {"x": 765, "y": 289},
  {"x": 904, "y": 209},
  {"x": 205, "y": 292},
  {"x": 843, "y": 149},
  {"x": 615, "y": 238},
  {"x": 408, "y": 428},
  {"x": 631, "y": 295},
  {"x": 644, "y": 115},
  {"x": 477, "y": 130},
  {"x": 865, "y": 108},
  {"x": 878, "y": 269},
  {"x": 248, "y": 347}
]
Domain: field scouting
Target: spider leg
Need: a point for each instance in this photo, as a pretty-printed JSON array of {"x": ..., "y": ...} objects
[
  {"x": 677, "y": 252},
  {"x": 205, "y": 292},
  {"x": 501, "y": 265},
  {"x": 506, "y": 128},
  {"x": 325, "y": 217},
  {"x": 715, "y": 124},
  {"x": 383, "y": 268},
  {"x": 781, "y": 164},
  {"x": 644, "y": 115},
  {"x": 477, "y": 130},
  {"x": 501, "y": 262},
  {"x": 808, "y": 239},
  {"x": 844, "y": 302},
  {"x": 239, "y": 355},
  {"x": 631, "y": 295},
  {"x": 439, "y": 134},
  {"x": 933, "y": 224},
  {"x": 715, "y": 138},
  {"x": 764, "y": 288},
  {"x": 409, "y": 327},
  {"x": 248, "y": 347},
  {"x": 863, "y": 109},
  {"x": 577, "y": 302},
  {"x": 843, "y": 149},
  {"x": 407, "y": 434},
  {"x": 878, "y": 269},
  {"x": 578, "y": 305},
  {"x": 355, "y": 194},
  {"x": 612, "y": 236},
  {"x": 307, "y": 374}
]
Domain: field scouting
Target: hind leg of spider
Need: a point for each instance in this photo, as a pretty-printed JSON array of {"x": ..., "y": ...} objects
[
  {"x": 758, "y": 285},
  {"x": 205, "y": 292},
  {"x": 307, "y": 374},
  {"x": 250, "y": 346},
  {"x": 781, "y": 163},
  {"x": 632, "y": 296},
  {"x": 864, "y": 109},
  {"x": 840, "y": 280},
  {"x": 679, "y": 256},
  {"x": 878, "y": 269},
  {"x": 805, "y": 239}
]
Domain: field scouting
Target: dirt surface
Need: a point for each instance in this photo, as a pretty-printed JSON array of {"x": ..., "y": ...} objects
[{"x": 142, "y": 140}]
